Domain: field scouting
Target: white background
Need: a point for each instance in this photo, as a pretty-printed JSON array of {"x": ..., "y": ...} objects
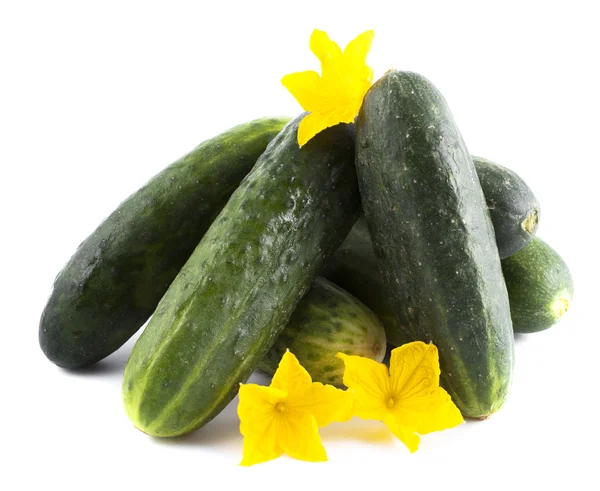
[{"x": 96, "y": 97}]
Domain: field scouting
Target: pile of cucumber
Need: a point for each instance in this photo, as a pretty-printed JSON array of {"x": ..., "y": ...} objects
[{"x": 371, "y": 235}]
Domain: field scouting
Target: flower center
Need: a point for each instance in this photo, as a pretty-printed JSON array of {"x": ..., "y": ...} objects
[
  {"x": 280, "y": 406},
  {"x": 391, "y": 402}
]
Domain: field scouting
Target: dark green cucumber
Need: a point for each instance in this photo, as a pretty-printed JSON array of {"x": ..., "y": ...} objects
[
  {"x": 117, "y": 276},
  {"x": 540, "y": 287},
  {"x": 513, "y": 208},
  {"x": 327, "y": 320},
  {"x": 237, "y": 291},
  {"x": 434, "y": 239}
]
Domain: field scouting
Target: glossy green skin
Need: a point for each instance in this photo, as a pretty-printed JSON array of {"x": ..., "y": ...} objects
[
  {"x": 115, "y": 279},
  {"x": 354, "y": 266},
  {"x": 513, "y": 208},
  {"x": 327, "y": 320},
  {"x": 540, "y": 287},
  {"x": 241, "y": 284},
  {"x": 433, "y": 238}
]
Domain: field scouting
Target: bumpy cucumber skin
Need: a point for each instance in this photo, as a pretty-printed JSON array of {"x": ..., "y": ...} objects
[
  {"x": 510, "y": 202},
  {"x": 513, "y": 208},
  {"x": 117, "y": 276},
  {"x": 540, "y": 287},
  {"x": 327, "y": 320},
  {"x": 237, "y": 291},
  {"x": 433, "y": 238}
]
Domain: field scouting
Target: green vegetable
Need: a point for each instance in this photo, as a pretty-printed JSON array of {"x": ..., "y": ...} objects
[
  {"x": 514, "y": 210},
  {"x": 540, "y": 287},
  {"x": 354, "y": 266},
  {"x": 327, "y": 320},
  {"x": 434, "y": 238},
  {"x": 115, "y": 279},
  {"x": 240, "y": 286}
]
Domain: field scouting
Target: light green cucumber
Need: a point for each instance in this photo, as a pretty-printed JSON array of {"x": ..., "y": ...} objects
[{"x": 328, "y": 320}]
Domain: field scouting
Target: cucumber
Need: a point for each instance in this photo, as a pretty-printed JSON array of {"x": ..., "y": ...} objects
[
  {"x": 241, "y": 284},
  {"x": 540, "y": 287},
  {"x": 115, "y": 279},
  {"x": 434, "y": 239},
  {"x": 327, "y": 320},
  {"x": 513, "y": 208}
]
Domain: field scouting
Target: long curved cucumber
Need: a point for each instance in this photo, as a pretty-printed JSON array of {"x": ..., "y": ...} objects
[
  {"x": 115, "y": 279},
  {"x": 237, "y": 291}
]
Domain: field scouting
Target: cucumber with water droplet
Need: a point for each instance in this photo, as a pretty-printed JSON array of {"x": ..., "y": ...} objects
[
  {"x": 115, "y": 279},
  {"x": 240, "y": 286}
]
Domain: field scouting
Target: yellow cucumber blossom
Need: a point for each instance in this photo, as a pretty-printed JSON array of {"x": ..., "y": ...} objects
[
  {"x": 336, "y": 95},
  {"x": 285, "y": 417},
  {"x": 408, "y": 399}
]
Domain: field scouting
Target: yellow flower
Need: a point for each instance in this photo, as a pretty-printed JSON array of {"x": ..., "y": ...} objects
[
  {"x": 285, "y": 416},
  {"x": 408, "y": 399},
  {"x": 336, "y": 95}
]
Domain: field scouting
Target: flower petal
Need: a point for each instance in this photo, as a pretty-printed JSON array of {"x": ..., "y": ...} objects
[
  {"x": 304, "y": 86},
  {"x": 324, "y": 402},
  {"x": 314, "y": 123},
  {"x": 290, "y": 377},
  {"x": 442, "y": 413},
  {"x": 258, "y": 423},
  {"x": 323, "y": 47},
  {"x": 357, "y": 49},
  {"x": 256, "y": 404},
  {"x": 337, "y": 94},
  {"x": 405, "y": 435},
  {"x": 348, "y": 409},
  {"x": 299, "y": 437},
  {"x": 369, "y": 382},
  {"x": 414, "y": 370},
  {"x": 260, "y": 448}
]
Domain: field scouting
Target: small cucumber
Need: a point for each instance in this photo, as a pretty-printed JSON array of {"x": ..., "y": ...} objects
[
  {"x": 433, "y": 238},
  {"x": 115, "y": 279},
  {"x": 513, "y": 208},
  {"x": 241, "y": 284},
  {"x": 327, "y": 320},
  {"x": 540, "y": 287}
]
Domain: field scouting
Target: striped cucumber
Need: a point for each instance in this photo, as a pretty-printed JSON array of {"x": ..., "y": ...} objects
[
  {"x": 327, "y": 320},
  {"x": 115, "y": 279},
  {"x": 237, "y": 291}
]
